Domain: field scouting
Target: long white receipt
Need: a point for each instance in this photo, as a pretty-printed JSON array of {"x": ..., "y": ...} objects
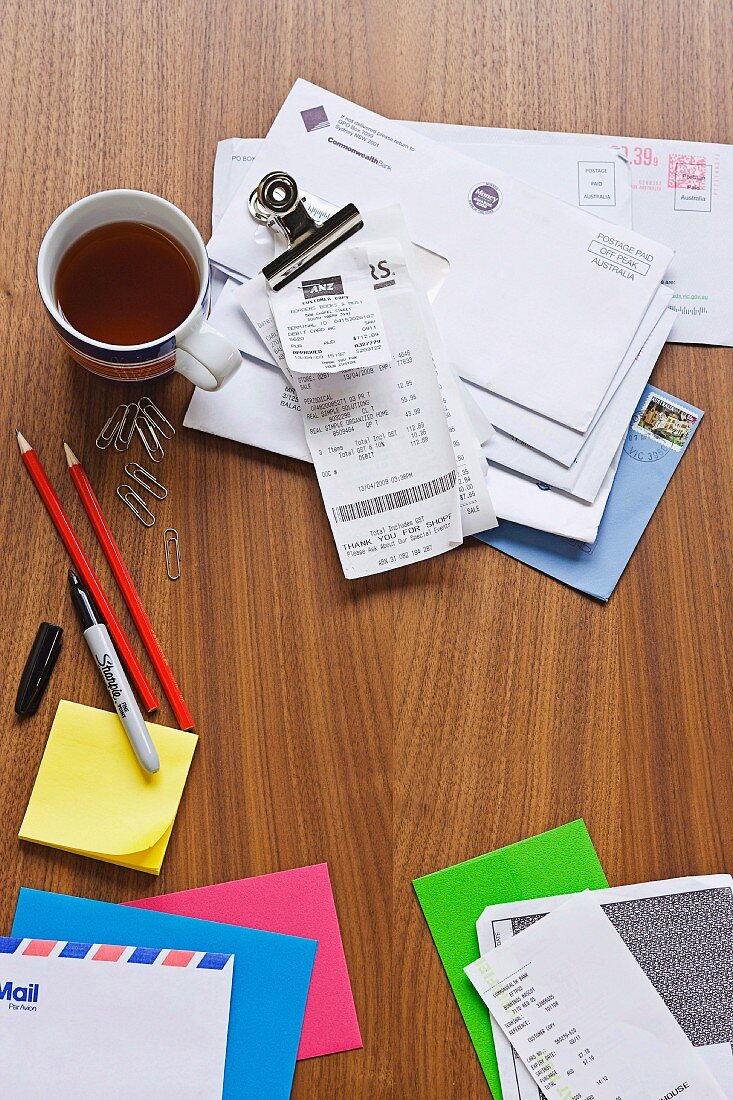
[
  {"x": 377, "y": 430},
  {"x": 276, "y": 423},
  {"x": 583, "y": 1016}
]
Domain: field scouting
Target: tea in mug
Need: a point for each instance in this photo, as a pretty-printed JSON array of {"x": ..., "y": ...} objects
[{"x": 126, "y": 283}]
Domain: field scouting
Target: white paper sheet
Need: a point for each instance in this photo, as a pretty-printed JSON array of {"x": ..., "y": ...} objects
[
  {"x": 582, "y": 1014},
  {"x": 680, "y": 931},
  {"x": 549, "y": 327},
  {"x": 682, "y": 195},
  {"x": 585, "y": 477},
  {"x": 85, "y": 1021}
]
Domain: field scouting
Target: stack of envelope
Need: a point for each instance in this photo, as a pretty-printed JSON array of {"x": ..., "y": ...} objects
[
  {"x": 552, "y": 308},
  {"x": 230, "y": 985}
]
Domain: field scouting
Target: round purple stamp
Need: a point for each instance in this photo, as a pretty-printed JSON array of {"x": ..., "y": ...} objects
[{"x": 485, "y": 198}]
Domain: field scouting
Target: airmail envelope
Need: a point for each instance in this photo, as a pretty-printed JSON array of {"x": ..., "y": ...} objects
[
  {"x": 659, "y": 434},
  {"x": 92, "y": 1020},
  {"x": 542, "y": 299}
]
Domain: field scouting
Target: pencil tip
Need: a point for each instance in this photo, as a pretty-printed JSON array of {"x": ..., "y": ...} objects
[
  {"x": 22, "y": 442},
  {"x": 71, "y": 458}
]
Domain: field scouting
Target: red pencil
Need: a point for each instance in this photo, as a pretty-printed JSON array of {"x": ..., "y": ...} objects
[
  {"x": 84, "y": 567},
  {"x": 128, "y": 590}
]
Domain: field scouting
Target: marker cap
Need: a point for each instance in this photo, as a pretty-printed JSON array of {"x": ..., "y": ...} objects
[{"x": 38, "y": 668}]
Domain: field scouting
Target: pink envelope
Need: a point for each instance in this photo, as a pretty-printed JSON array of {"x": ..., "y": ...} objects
[{"x": 297, "y": 903}]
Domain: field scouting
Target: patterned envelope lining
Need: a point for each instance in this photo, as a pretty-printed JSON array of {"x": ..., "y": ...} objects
[{"x": 101, "y": 952}]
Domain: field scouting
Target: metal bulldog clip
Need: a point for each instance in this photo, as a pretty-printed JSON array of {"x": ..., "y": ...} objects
[{"x": 277, "y": 203}]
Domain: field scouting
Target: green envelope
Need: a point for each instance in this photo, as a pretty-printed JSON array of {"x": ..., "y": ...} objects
[{"x": 562, "y": 861}]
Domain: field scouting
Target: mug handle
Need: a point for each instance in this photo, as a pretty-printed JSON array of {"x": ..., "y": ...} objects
[{"x": 206, "y": 357}]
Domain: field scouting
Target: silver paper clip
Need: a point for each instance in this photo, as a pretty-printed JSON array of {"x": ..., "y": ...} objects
[
  {"x": 136, "y": 504},
  {"x": 277, "y": 203},
  {"x": 160, "y": 422},
  {"x": 111, "y": 427},
  {"x": 172, "y": 554},
  {"x": 149, "y": 437},
  {"x": 146, "y": 480},
  {"x": 126, "y": 427}
]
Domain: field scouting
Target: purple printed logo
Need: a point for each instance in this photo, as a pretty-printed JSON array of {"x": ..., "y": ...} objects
[
  {"x": 315, "y": 118},
  {"x": 485, "y": 199}
]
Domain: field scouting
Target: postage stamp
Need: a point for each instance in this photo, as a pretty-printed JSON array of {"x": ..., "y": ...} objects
[
  {"x": 686, "y": 171},
  {"x": 666, "y": 423}
]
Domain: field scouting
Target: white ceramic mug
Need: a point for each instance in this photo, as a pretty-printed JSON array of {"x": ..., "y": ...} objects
[{"x": 194, "y": 349}]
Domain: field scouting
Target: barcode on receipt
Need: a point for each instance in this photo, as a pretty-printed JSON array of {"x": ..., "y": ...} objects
[{"x": 387, "y": 502}]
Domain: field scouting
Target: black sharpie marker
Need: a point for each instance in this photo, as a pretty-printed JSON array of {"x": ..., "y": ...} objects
[{"x": 98, "y": 639}]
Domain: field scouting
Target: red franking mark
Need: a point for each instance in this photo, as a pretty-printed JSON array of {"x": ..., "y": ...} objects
[{"x": 686, "y": 172}]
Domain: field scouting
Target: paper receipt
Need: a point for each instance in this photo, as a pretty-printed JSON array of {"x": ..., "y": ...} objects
[
  {"x": 376, "y": 428},
  {"x": 330, "y": 324},
  {"x": 273, "y": 418},
  {"x": 583, "y": 1016}
]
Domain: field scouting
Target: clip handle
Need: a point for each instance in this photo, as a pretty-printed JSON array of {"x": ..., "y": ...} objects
[{"x": 277, "y": 203}]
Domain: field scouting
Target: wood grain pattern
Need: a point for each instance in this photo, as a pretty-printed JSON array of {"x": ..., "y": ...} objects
[{"x": 390, "y": 726}]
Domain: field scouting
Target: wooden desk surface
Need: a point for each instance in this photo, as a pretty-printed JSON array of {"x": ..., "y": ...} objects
[{"x": 398, "y": 725}]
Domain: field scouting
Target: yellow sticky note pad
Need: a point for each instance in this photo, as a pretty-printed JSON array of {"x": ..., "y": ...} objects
[{"x": 92, "y": 797}]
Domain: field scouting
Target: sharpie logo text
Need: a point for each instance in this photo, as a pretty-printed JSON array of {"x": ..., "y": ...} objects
[{"x": 107, "y": 669}]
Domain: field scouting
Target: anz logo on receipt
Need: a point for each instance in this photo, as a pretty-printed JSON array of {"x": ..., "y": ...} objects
[{"x": 322, "y": 288}]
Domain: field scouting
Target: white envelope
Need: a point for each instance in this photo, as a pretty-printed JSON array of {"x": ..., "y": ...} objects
[
  {"x": 556, "y": 440},
  {"x": 585, "y": 477},
  {"x": 535, "y": 504},
  {"x": 542, "y": 299},
  {"x": 598, "y": 179},
  {"x": 88, "y": 1020},
  {"x": 232, "y": 159},
  {"x": 682, "y": 195},
  {"x": 261, "y": 408},
  {"x": 593, "y": 178}
]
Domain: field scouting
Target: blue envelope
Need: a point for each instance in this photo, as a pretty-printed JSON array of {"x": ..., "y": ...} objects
[
  {"x": 269, "y": 989},
  {"x": 659, "y": 434}
]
